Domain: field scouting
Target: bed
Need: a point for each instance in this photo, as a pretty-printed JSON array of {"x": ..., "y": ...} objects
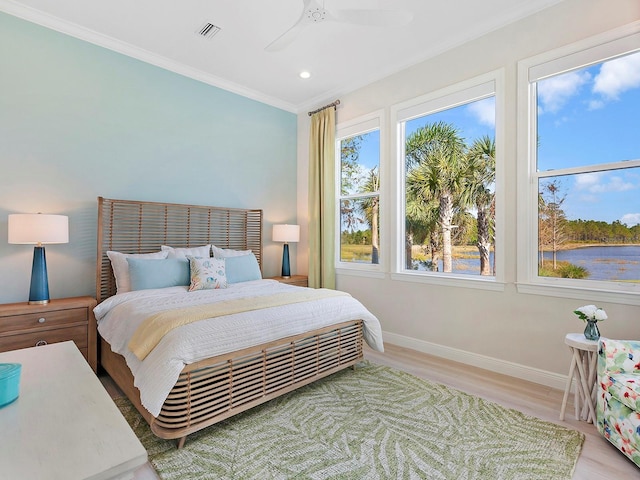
[{"x": 200, "y": 389}]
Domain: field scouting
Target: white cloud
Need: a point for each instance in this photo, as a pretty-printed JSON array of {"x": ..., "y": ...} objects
[
  {"x": 484, "y": 111},
  {"x": 630, "y": 219},
  {"x": 593, "y": 183},
  {"x": 595, "y": 104},
  {"x": 617, "y": 76},
  {"x": 587, "y": 180},
  {"x": 554, "y": 92}
]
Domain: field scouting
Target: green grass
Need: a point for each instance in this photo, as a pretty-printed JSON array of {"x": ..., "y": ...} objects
[
  {"x": 563, "y": 270},
  {"x": 355, "y": 253}
]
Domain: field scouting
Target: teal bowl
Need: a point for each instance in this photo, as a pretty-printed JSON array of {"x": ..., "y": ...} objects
[{"x": 9, "y": 382}]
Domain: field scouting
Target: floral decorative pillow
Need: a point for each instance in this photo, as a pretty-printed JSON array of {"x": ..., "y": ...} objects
[{"x": 207, "y": 273}]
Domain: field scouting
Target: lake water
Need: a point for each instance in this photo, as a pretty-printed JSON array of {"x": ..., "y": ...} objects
[{"x": 603, "y": 263}]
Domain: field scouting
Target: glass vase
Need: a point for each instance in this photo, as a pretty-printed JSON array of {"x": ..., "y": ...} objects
[{"x": 591, "y": 331}]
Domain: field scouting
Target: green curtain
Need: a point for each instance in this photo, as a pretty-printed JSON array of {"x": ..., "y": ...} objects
[{"x": 322, "y": 136}]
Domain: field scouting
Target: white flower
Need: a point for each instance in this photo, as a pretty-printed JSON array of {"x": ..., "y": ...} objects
[
  {"x": 591, "y": 312},
  {"x": 600, "y": 315}
]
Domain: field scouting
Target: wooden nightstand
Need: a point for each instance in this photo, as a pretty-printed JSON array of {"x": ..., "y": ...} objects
[
  {"x": 299, "y": 280},
  {"x": 23, "y": 325}
]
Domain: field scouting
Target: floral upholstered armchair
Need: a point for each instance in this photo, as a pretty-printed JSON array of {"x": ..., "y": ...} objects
[{"x": 618, "y": 402}]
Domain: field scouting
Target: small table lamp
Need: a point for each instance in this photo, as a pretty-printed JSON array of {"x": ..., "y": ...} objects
[
  {"x": 38, "y": 229},
  {"x": 286, "y": 234}
]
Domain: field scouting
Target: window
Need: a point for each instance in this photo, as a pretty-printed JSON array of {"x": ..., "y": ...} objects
[
  {"x": 358, "y": 154},
  {"x": 447, "y": 156},
  {"x": 583, "y": 179}
]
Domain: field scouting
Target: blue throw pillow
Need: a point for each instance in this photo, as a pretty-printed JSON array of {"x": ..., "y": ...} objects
[
  {"x": 152, "y": 273},
  {"x": 242, "y": 268}
]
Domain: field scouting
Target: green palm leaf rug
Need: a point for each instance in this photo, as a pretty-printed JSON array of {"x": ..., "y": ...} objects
[{"x": 373, "y": 422}]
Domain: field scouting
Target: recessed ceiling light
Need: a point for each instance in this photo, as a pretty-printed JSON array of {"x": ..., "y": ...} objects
[{"x": 305, "y": 74}]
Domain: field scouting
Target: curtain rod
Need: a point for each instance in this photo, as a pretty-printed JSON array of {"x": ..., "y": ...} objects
[{"x": 332, "y": 104}]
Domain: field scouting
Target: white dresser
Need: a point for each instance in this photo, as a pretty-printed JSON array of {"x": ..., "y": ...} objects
[{"x": 63, "y": 425}]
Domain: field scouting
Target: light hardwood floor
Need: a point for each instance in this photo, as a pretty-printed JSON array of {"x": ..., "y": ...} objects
[{"x": 599, "y": 459}]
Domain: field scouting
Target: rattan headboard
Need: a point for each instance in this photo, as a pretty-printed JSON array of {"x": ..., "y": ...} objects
[{"x": 141, "y": 227}]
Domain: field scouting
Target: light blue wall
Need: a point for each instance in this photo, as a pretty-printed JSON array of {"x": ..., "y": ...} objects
[{"x": 78, "y": 121}]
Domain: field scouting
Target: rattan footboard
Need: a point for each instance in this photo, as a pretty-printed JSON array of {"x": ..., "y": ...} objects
[{"x": 219, "y": 387}]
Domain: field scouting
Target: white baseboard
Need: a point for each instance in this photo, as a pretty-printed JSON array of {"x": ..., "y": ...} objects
[{"x": 543, "y": 377}]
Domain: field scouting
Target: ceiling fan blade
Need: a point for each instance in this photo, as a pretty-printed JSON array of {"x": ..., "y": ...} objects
[
  {"x": 290, "y": 35},
  {"x": 376, "y": 18},
  {"x": 285, "y": 39}
]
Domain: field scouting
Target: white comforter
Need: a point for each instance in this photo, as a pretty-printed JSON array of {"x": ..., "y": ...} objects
[{"x": 119, "y": 316}]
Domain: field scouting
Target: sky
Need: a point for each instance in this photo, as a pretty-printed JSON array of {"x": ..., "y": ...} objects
[
  {"x": 472, "y": 120},
  {"x": 589, "y": 117},
  {"x": 586, "y": 117}
]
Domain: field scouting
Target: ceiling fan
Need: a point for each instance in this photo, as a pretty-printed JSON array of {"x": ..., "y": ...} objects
[{"x": 314, "y": 12}]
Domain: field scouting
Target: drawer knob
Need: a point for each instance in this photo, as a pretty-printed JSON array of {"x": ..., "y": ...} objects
[
  {"x": 42, "y": 320},
  {"x": 41, "y": 343}
]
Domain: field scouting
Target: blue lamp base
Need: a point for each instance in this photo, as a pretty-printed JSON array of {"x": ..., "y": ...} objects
[
  {"x": 286, "y": 269},
  {"x": 39, "y": 292}
]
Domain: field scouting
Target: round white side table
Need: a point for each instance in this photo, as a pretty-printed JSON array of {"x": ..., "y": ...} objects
[{"x": 584, "y": 360}]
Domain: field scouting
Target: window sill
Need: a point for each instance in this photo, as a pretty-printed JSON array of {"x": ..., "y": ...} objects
[
  {"x": 450, "y": 281},
  {"x": 589, "y": 294}
]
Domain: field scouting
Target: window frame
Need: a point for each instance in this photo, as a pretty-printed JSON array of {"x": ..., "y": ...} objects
[
  {"x": 588, "y": 52},
  {"x": 359, "y": 126},
  {"x": 477, "y": 88}
]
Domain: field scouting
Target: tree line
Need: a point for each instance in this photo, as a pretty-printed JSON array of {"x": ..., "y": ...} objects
[{"x": 594, "y": 231}]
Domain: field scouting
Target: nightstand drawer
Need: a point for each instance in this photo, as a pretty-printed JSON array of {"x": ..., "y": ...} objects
[
  {"x": 299, "y": 280},
  {"x": 13, "y": 342},
  {"x": 42, "y": 320}
]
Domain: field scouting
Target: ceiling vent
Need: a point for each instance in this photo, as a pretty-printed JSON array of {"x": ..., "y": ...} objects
[{"x": 208, "y": 30}]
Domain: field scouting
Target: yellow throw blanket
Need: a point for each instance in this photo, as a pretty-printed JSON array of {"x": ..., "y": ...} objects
[{"x": 155, "y": 327}]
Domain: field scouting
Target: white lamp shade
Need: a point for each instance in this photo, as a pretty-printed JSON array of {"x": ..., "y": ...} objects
[
  {"x": 286, "y": 233},
  {"x": 35, "y": 228}
]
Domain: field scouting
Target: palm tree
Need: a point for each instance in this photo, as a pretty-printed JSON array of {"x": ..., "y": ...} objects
[
  {"x": 421, "y": 222},
  {"x": 482, "y": 177},
  {"x": 437, "y": 168},
  {"x": 370, "y": 208}
]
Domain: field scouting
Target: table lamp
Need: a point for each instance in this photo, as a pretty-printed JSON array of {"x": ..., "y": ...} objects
[
  {"x": 38, "y": 229},
  {"x": 286, "y": 234}
]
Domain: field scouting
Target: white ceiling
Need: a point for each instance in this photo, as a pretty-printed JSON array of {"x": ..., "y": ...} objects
[{"x": 341, "y": 57}]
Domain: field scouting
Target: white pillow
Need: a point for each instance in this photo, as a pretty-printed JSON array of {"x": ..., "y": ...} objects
[
  {"x": 121, "y": 267},
  {"x": 204, "y": 251},
  {"x": 228, "y": 252},
  {"x": 207, "y": 273}
]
